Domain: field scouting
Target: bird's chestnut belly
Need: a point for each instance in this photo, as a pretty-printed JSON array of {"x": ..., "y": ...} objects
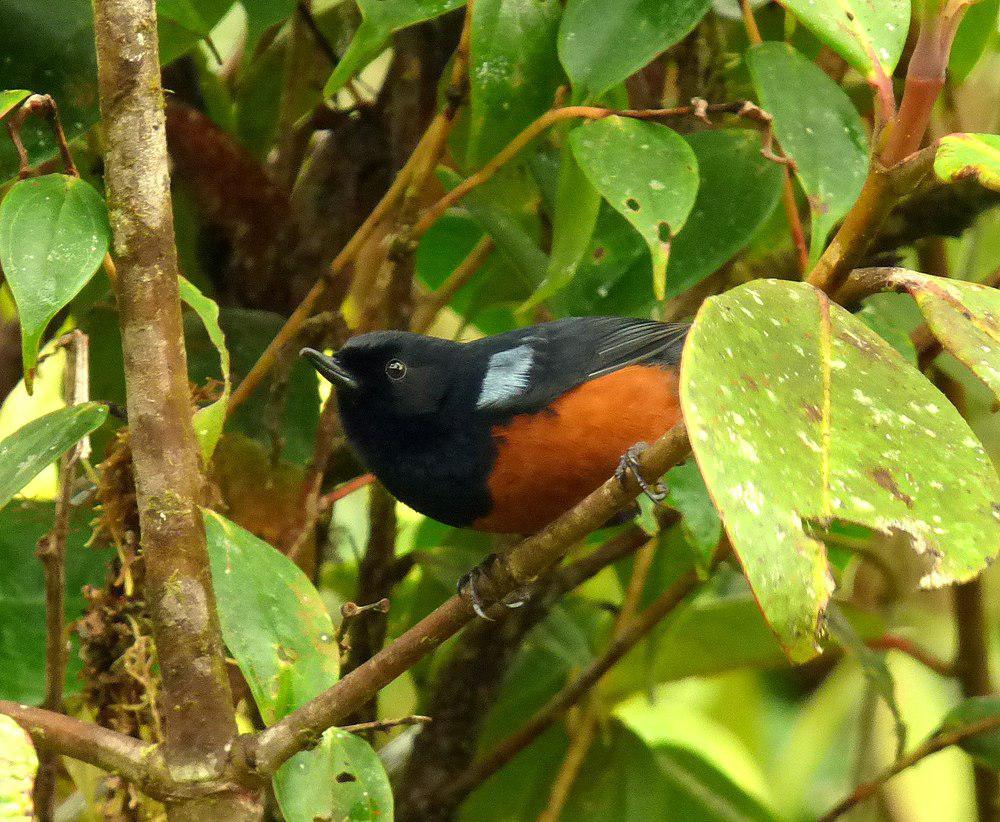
[{"x": 548, "y": 461}]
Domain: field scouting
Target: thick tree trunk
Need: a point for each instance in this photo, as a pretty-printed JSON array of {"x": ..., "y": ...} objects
[{"x": 196, "y": 700}]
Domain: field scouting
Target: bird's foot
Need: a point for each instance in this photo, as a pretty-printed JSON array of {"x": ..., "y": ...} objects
[
  {"x": 471, "y": 584},
  {"x": 630, "y": 465}
]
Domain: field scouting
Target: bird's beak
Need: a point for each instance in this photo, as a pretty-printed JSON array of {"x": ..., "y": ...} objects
[{"x": 329, "y": 368}]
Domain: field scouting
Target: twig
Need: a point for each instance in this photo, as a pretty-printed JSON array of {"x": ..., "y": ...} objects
[
  {"x": 386, "y": 724},
  {"x": 556, "y": 115},
  {"x": 266, "y": 752},
  {"x": 936, "y": 743},
  {"x": 788, "y": 187},
  {"x": 44, "y": 105},
  {"x": 52, "y": 553},
  {"x": 972, "y": 664},
  {"x": 432, "y": 305},
  {"x": 556, "y": 707},
  {"x": 197, "y": 703},
  {"x": 305, "y": 14},
  {"x": 892, "y": 642}
]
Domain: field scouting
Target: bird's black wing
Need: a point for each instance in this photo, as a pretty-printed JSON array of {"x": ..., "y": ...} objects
[{"x": 526, "y": 370}]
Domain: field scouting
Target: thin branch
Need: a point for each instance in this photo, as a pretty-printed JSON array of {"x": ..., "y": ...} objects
[
  {"x": 892, "y": 642},
  {"x": 386, "y": 724},
  {"x": 557, "y": 115},
  {"x": 936, "y": 743},
  {"x": 432, "y": 305},
  {"x": 197, "y": 703},
  {"x": 556, "y": 707},
  {"x": 52, "y": 553},
  {"x": 266, "y": 752}
]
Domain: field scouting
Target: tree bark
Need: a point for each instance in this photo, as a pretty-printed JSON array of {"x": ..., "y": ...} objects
[{"x": 196, "y": 700}]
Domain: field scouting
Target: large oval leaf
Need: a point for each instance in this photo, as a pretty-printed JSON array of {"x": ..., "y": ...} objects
[
  {"x": 965, "y": 318},
  {"x": 865, "y": 33},
  {"x": 964, "y": 156},
  {"x": 279, "y": 632},
  {"x": 601, "y": 43},
  {"x": 812, "y": 418},
  {"x": 647, "y": 173},
  {"x": 513, "y": 71},
  {"x": 818, "y": 127},
  {"x": 32, "y": 447},
  {"x": 53, "y": 235}
]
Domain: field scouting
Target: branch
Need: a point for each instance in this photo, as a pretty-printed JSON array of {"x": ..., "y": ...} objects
[
  {"x": 556, "y": 707},
  {"x": 197, "y": 702},
  {"x": 52, "y": 553},
  {"x": 265, "y": 753},
  {"x": 936, "y": 743},
  {"x": 433, "y": 303},
  {"x": 63, "y": 735}
]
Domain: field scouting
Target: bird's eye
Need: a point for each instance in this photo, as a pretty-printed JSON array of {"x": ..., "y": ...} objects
[{"x": 395, "y": 370}]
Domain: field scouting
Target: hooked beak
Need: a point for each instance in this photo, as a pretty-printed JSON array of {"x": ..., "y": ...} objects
[{"x": 329, "y": 368}]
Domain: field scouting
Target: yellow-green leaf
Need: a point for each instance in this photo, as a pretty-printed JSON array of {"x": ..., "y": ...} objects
[
  {"x": 18, "y": 766},
  {"x": 800, "y": 416},
  {"x": 969, "y": 156},
  {"x": 9, "y": 99}
]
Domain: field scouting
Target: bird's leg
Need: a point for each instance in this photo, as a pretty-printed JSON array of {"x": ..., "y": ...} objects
[
  {"x": 471, "y": 582},
  {"x": 630, "y": 465}
]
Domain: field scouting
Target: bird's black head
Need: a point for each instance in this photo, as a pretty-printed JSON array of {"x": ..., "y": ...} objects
[{"x": 392, "y": 374}]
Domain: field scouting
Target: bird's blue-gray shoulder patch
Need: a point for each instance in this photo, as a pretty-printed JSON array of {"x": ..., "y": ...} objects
[{"x": 507, "y": 376}]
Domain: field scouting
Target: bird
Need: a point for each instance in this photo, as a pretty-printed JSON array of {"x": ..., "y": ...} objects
[{"x": 506, "y": 432}]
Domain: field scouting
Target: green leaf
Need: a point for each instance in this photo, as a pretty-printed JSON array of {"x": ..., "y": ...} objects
[
  {"x": 182, "y": 23},
  {"x": 261, "y": 15},
  {"x": 984, "y": 747},
  {"x": 873, "y": 665},
  {"x": 818, "y": 127},
  {"x": 601, "y": 43},
  {"x": 688, "y": 495},
  {"x": 53, "y": 235},
  {"x": 513, "y": 71},
  {"x": 208, "y": 421},
  {"x": 974, "y": 32},
  {"x": 864, "y": 33},
  {"x": 574, "y": 216},
  {"x": 278, "y": 630},
  {"x": 813, "y": 418},
  {"x": 739, "y": 190},
  {"x": 40, "y": 442},
  {"x": 965, "y": 318},
  {"x": 18, "y": 766},
  {"x": 22, "y": 595},
  {"x": 617, "y": 153},
  {"x": 9, "y": 99},
  {"x": 969, "y": 156},
  {"x": 380, "y": 18}
]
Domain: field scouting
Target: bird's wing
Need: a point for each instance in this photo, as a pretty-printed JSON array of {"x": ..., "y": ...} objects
[{"x": 530, "y": 370}]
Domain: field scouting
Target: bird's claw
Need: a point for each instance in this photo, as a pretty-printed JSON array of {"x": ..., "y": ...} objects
[
  {"x": 630, "y": 465},
  {"x": 468, "y": 586}
]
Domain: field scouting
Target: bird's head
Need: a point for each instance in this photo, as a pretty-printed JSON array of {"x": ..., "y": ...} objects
[{"x": 388, "y": 373}]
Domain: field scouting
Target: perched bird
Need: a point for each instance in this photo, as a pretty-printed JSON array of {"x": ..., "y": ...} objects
[{"x": 505, "y": 433}]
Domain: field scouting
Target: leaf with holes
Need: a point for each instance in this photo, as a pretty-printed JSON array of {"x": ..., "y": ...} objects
[
  {"x": 277, "y": 628},
  {"x": 513, "y": 71},
  {"x": 984, "y": 747},
  {"x": 965, "y": 318},
  {"x": 800, "y": 416},
  {"x": 40, "y": 442},
  {"x": 601, "y": 43},
  {"x": 818, "y": 127},
  {"x": 647, "y": 173},
  {"x": 380, "y": 18},
  {"x": 969, "y": 156},
  {"x": 10, "y": 99},
  {"x": 208, "y": 421},
  {"x": 868, "y": 35},
  {"x": 53, "y": 235}
]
